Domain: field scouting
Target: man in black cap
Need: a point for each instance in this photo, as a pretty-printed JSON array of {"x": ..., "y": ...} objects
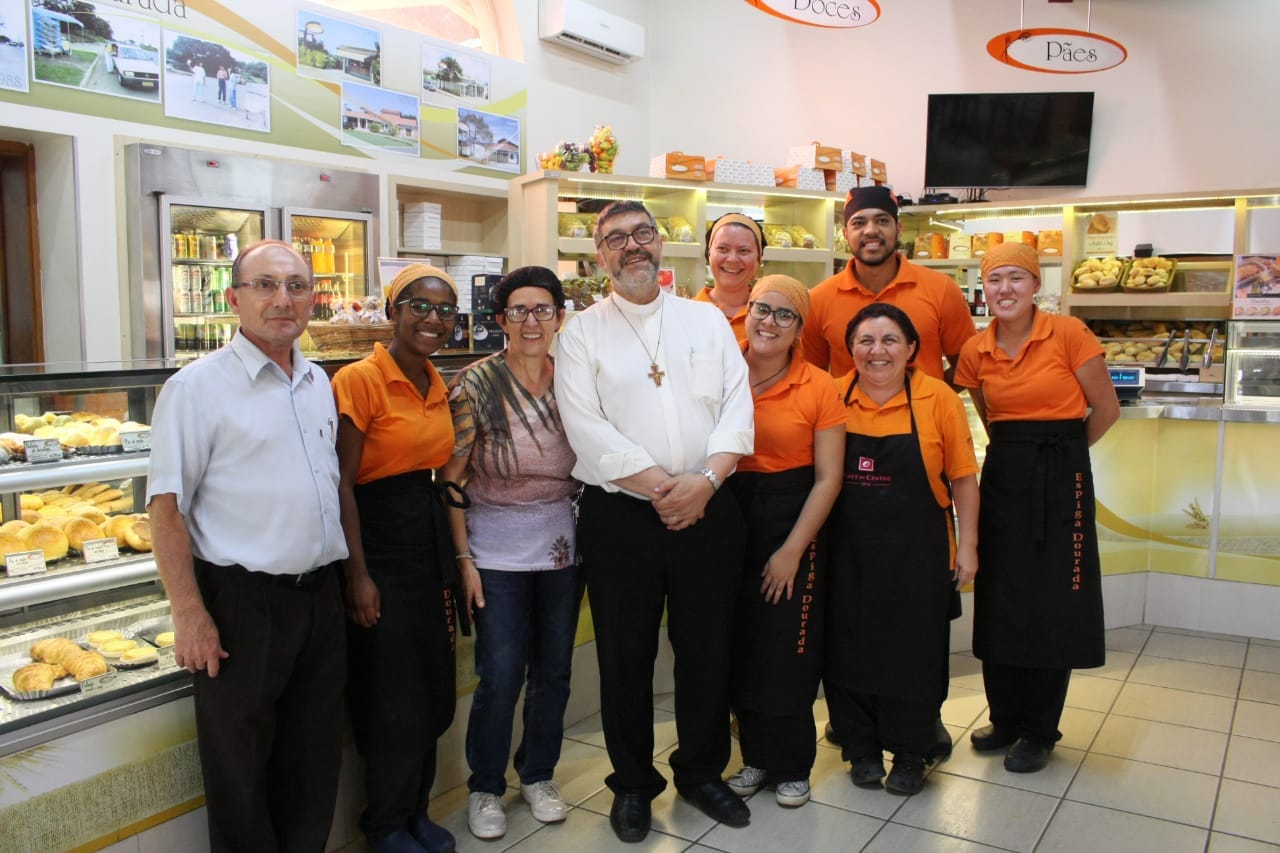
[{"x": 878, "y": 272}]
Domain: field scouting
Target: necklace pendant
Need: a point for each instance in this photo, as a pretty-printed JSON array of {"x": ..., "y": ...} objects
[{"x": 655, "y": 374}]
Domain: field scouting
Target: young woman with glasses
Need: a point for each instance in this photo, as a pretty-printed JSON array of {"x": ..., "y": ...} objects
[
  {"x": 394, "y": 428},
  {"x": 516, "y": 550},
  {"x": 786, "y": 489}
]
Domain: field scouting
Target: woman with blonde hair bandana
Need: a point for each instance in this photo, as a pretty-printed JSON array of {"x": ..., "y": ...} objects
[
  {"x": 786, "y": 489},
  {"x": 735, "y": 248}
]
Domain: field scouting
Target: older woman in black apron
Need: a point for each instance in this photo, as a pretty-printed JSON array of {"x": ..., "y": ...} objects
[
  {"x": 1038, "y": 606},
  {"x": 908, "y": 454}
]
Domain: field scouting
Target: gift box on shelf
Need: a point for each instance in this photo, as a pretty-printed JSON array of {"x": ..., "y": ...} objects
[
  {"x": 486, "y": 334},
  {"x": 879, "y": 173},
  {"x": 856, "y": 163},
  {"x": 461, "y": 340},
  {"x": 482, "y": 286},
  {"x": 815, "y": 156},
  {"x": 840, "y": 182},
  {"x": 421, "y": 225},
  {"x": 959, "y": 245},
  {"x": 799, "y": 177},
  {"x": 741, "y": 172},
  {"x": 677, "y": 164},
  {"x": 1049, "y": 242}
]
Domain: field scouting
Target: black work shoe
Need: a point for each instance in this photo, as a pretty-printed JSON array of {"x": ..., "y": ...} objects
[
  {"x": 1027, "y": 756},
  {"x": 941, "y": 749},
  {"x": 989, "y": 738},
  {"x": 399, "y": 841},
  {"x": 907, "y": 776},
  {"x": 867, "y": 772},
  {"x": 830, "y": 734},
  {"x": 717, "y": 801},
  {"x": 630, "y": 817},
  {"x": 433, "y": 837}
]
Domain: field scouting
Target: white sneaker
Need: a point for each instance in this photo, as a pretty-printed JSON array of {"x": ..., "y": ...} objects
[
  {"x": 486, "y": 817},
  {"x": 545, "y": 801},
  {"x": 793, "y": 794},
  {"x": 746, "y": 781}
]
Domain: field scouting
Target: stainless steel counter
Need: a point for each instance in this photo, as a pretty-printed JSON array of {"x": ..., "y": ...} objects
[{"x": 1189, "y": 408}]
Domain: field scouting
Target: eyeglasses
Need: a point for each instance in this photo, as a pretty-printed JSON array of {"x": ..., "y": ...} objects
[
  {"x": 520, "y": 313},
  {"x": 297, "y": 288},
  {"x": 643, "y": 236},
  {"x": 424, "y": 307},
  {"x": 784, "y": 317}
]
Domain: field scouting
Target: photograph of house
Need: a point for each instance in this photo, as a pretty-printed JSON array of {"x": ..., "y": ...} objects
[
  {"x": 335, "y": 51},
  {"x": 450, "y": 76},
  {"x": 489, "y": 140},
  {"x": 379, "y": 119}
]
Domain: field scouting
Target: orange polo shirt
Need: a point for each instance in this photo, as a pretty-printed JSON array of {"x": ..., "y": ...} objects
[
  {"x": 803, "y": 402},
  {"x": 738, "y": 322},
  {"x": 402, "y": 430},
  {"x": 1040, "y": 384},
  {"x": 945, "y": 443},
  {"x": 933, "y": 301}
]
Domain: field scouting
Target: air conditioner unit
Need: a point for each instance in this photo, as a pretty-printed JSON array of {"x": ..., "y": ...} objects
[{"x": 581, "y": 26}]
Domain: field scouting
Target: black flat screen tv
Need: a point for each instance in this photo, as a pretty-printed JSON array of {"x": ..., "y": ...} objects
[{"x": 1015, "y": 139}]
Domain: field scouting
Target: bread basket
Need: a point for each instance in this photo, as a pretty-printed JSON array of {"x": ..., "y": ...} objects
[{"x": 349, "y": 337}]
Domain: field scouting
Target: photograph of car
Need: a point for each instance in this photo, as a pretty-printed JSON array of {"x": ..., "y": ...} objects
[{"x": 134, "y": 66}]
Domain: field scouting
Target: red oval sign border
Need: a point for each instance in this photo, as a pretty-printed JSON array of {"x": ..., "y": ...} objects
[
  {"x": 998, "y": 47},
  {"x": 771, "y": 11}
]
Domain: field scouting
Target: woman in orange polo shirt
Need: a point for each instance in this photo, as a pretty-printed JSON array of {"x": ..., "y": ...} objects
[
  {"x": 394, "y": 427},
  {"x": 1041, "y": 385},
  {"x": 908, "y": 455},
  {"x": 734, "y": 249},
  {"x": 786, "y": 489}
]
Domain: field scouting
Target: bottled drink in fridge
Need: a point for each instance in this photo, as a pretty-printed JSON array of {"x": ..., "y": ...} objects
[{"x": 232, "y": 247}]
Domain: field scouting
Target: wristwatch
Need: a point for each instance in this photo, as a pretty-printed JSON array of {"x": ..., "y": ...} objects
[{"x": 712, "y": 477}]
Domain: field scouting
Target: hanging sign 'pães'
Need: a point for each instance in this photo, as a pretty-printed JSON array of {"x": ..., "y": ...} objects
[
  {"x": 1056, "y": 51},
  {"x": 833, "y": 14}
]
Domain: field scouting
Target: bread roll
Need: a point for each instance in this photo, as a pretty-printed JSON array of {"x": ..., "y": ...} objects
[
  {"x": 97, "y": 638},
  {"x": 138, "y": 535},
  {"x": 74, "y": 438},
  {"x": 80, "y": 530},
  {"x": 104, "y": 436},
  {"x": 106, "y": 496},
  {"x": 115, "y": 528},
  {"x": 10, "y": 543},
  {"x": 91, "y": 512},
  {"x": 84, "y": 416},
  {"x": 117, "y": 505},
  {"x": 30, "y": 501},
  {"x": 86, "y": 491},
  {"x": 47, "y": 538},
  {"x": 13, "y": 526},
  {"x": 30, "y": 516}
]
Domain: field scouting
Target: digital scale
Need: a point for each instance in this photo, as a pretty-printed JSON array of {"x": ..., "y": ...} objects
[{"x": 1128, "y": 381}]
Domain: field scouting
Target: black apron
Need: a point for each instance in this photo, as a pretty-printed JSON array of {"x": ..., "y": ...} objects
[
  {"x": 888, "y": 629},
  {"x": 777, "y": 652},
  {"x": 1038, "y": 593}
]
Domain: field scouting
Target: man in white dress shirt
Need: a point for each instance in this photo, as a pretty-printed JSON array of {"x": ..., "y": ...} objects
[
  {"x": 243, "y": 494},
  {"x": 653, "y": 393}
]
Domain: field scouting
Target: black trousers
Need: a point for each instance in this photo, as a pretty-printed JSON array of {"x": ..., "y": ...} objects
[
  {"x": 785, "y": 746},
  {"x": 634, "y": 567},
  {"x": 270, "y": 724},
  {"x": 867, "y": 723},
  {"x": 1025, "y": 700}
]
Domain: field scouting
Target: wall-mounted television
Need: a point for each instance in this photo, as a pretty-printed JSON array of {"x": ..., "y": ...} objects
[{"x": 1013, "y": 139}]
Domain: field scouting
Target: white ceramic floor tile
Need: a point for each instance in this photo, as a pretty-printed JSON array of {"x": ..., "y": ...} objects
[
  {"x": 829, "y": 783},
  {"x": 978, "y": 811},
  {"x": 1220, "y": 842},
  {"x": 1257, "y": 720},
  {"x": 1185, "y": 675},
  {"x": 1161, "y": 792},
  {"x": 1197, "y": 649},
  {"x": 1260, "y": 686},
  {"x": 1077, "y": 826},
  {"x": 1248, "y": 810},
  {"x": 1092, "y": 693},
  {"x": 1117, "y": 666},
  {"x": 1191, "y": 632},
  {"x": 665, "y": 702},
  {"x": 672, "y": 814},
  {"x": 1255, "y": 761},
  {"x": 129, "y": 845},
  {"x": 894, "y": 838},
  {"x": 587, "y": 831},
  {"x": 1079, "y": 727},
  {"x": 589, "y": 731},
  {"x": 1127, "y": 639},
  {"x": 989, "y": 767},
  {"x": 814, "y": 826},
  {"x": 963, "y": 706},
  {"x": 1162, "y": 743},
  {"x": 1265, "y": 658},
  {"x": 966, "y": 672},
  {"x": 187, "y": 832},
  {"x": 581, "y": 771},
  {"x": 1180, "y": 707}
]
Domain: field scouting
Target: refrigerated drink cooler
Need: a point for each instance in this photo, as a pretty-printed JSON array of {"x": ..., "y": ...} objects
[{"x": 190, "y": 213}]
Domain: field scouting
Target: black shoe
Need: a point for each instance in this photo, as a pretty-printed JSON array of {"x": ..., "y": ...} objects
[
  {"x": 830, "y": 735},
  {"x": 867, "y": 772},
  {"x": 433, "y": 837},
  {"x": 630, "y": 817},
  {"x": 989, "y": 738},
  {"x": 941, "y": 750},
  {"x": 399, "y": 841},
  {"x": 1027, "y": 756},
  {"x": 907, "y": 776},
  {"x": 717, "y": 801}
]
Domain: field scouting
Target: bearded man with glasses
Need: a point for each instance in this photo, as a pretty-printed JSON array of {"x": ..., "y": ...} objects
[{"x": 654, "y": 398}]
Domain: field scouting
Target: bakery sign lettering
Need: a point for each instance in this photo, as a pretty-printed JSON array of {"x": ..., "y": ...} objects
[
  {"x": 1057, "y": 51},
  {"x": 833, "y": 14}
]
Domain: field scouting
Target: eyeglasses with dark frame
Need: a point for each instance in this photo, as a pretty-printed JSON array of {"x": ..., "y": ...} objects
[
  {"x": 616, "y": 240},
  {"x": 297, "y": 288},
  {"x": 541, "y": 312},
  {"x": 784, "y": 317},
  {"x": 424, "y": 307}
]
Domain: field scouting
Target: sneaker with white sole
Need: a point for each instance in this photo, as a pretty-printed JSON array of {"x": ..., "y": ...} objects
[
  {"x": 486, "y": 816},
  {"x": 545, "y": 801},
  {"x": 746, "y": 781},
  {"x": 792, "y": 794}
]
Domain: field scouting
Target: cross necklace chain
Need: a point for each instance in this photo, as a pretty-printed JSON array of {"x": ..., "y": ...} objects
[{"x": 654, "y": 373}]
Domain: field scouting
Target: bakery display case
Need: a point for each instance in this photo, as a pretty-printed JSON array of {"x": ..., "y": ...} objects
[
  {"x": 83, "y": 616},
  {"x": 1253, "y": 364}
]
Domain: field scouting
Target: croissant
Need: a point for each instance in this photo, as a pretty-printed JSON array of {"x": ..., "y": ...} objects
[
  {"x": 85, "y": 665},
  {"x": 53, "y": 649},
  {"x": 36, "y": 676}
]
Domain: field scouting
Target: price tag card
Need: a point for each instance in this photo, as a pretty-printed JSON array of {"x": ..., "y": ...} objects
[
  {"x": 99, "y": 682},
  {"x": 22, "y": 563},
  {"x": 43, "y": 449},
  {"x": 133, "y": 442},
  {"x": 100, "y": 550}
]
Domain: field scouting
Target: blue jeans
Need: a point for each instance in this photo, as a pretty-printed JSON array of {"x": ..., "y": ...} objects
[{"x": 527, "y": 624}]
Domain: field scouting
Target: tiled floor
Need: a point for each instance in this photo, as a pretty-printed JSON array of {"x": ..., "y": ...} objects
[{"x": 1173, "y": 745}]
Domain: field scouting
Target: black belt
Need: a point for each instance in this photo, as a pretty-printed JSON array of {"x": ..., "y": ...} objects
[{"x": 302, "y": 580}]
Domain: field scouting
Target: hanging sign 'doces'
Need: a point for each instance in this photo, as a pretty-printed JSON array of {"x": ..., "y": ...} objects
[
  {"x": 1056, "y": 51},
  {"x": 834, "y": 14}
]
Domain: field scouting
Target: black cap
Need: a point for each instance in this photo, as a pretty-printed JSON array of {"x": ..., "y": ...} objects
[{"x": 863, "y": 198}]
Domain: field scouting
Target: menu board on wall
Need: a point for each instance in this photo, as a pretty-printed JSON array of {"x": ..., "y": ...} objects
[{"x": 1257, "y": 287}]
